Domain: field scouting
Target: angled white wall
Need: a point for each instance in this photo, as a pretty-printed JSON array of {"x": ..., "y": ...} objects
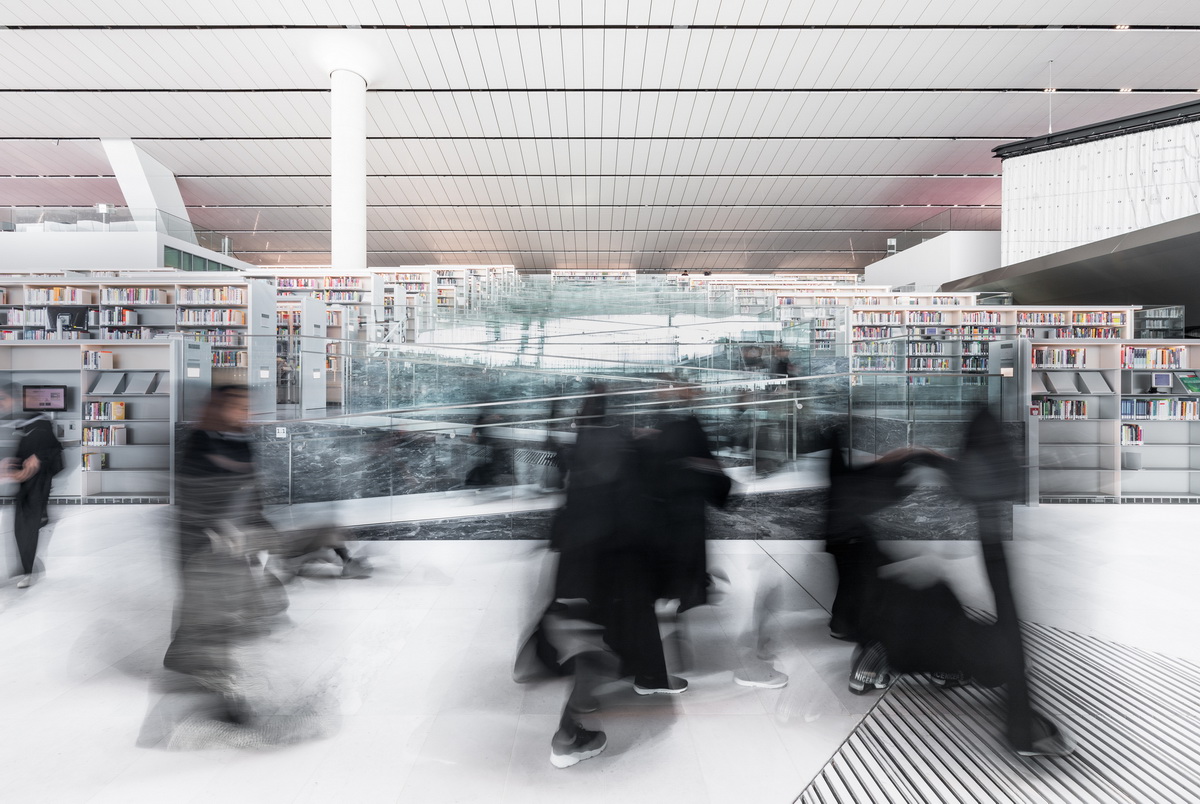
[
  {"x": 145, "y": 182},
  {"x": 949, "y": 256}
]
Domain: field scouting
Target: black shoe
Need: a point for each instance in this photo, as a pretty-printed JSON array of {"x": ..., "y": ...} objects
[
  {"x": 586, "y": 745},
  {"x": 1047, "y": 740},
  {"x": 949, "y": 681},
  {"x": 673, "y": 686},
  {"x": 869, "y": 669}
]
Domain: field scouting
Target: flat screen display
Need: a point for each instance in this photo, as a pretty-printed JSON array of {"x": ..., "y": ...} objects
[
  {"x": 1161, "y": 380},
  {"x": 44, "y": 397}
]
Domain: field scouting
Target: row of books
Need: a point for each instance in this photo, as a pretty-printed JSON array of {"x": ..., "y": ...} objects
[
  {"x": 928, "y": 364},
  {"x": 1059, "y": 357},
  {"x": 1041, "y": 318},
  {"x": 926, "y": 317},
  {"x": 226, "y": 295},
  {"x": 134, "y": 296},
  {"x": 975, "y": 363},
  {"x": 119, "y": 316},
  {"x": 927, "y": 347},
  {"x": 318, "y": 283},
  {"x": 878, "y": 347},
  {"x": 1153, "y": 357},
  {"x": 139, "y": 334},
  {"x": 1098, "y": 318},
  {"x": 66, "y": 295},
  {"x": 1050, "y": 408},
  {"x": 334, "y": 295},
  {"x": 1161, "y": 409},
  {"x": 42, "y": 335},
  {"x": 224, "y": 358},
  {"x": 213, "y": 316},
  {"x": 217, "y": 337},
  {"x": 874, "y": 363},
  {"x": 1131, "y": 435},
  {"x": 861, "y": 333},
  {"x": 108, "y": 436},
  {"x": 95, "y": 461},
  {"x": 95, "y": 411},
  {"x": 1102, "y": 333},
  {"x": 98, "y": 359},
  {"x": 981, "y": 317},
  {"x": 878, "y": 318}
]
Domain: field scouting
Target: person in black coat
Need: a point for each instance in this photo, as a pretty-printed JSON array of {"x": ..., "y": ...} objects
[
  {"x": 683, "y": 478},
  {"x": 37, "y": 460}
]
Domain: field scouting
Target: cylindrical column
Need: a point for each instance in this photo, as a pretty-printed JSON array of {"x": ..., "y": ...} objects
[{"x": 348, "y": 196}]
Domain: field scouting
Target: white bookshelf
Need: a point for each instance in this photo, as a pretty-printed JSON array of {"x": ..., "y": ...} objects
[
  {"x": 1102, "y": 433},
  {"x": 122, "y": 411},
  {"x": 608, "y": 276}
]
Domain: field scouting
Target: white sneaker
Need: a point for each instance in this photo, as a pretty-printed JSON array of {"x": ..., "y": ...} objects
[
  {"x": 25, "y": 582},
  {"x": 765, "y": 677}
]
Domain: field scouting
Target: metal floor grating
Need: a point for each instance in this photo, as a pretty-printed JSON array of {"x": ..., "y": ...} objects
[{"x": 1134, "y": 717}]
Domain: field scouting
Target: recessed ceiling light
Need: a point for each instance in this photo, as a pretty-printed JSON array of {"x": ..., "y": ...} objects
[
  {"x": 1126, "y": 89},
  {"x": 1122, "y": 27},
  {"x": 1048, "y": 89}
]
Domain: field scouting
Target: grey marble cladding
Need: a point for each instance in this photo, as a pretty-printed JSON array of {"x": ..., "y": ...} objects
[{"x": 928, "y": 514}]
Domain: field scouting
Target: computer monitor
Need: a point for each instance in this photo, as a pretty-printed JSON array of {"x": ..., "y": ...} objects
[
  {"x": 1161, "y": 380},
  {"x": 44, "y": 398},
  {"x": 67, "y": 319}
]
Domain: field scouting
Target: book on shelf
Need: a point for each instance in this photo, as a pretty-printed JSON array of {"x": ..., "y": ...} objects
[
  {"x": 1131, "y": 435},
  {"x": 95, "y": 461},
  {"x": 98, "y": 359},
  {"x": 95, "y": 411}
]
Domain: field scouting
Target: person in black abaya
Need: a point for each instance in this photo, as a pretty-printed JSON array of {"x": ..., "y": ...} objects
[
  {"x": 683, "y": 478},
  {"x": 923, "y": 628}
]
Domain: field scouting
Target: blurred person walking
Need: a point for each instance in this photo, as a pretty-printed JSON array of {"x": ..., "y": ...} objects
[{"x": 37, "y": 459}]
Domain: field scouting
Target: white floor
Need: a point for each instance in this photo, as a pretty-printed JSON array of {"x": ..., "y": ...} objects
[{"x": 404, "y": 678}]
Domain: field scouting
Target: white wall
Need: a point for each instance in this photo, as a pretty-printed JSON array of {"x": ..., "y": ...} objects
[
  {"x": 41, "y": 252},
  {"x": 951, "y": 255},
  {"x": 1065, "y": 197}
]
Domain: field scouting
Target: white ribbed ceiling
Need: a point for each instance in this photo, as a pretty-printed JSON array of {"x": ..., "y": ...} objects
[{"x": 691, "y": 134}]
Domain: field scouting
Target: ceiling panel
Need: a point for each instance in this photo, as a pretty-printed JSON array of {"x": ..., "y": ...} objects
[
  {"x": 716, "y": 146},
  {"x": 59, "y": 192},
  {"x": 613, "y": 12}
]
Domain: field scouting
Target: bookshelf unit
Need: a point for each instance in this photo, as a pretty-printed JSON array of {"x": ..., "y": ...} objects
[
  {"x": 1073, "y": 389},
  {"x": 1108, "y": 429},
  {"x": 1159, "y": 323},
  {"x": 123, "y": 399},
  {"x": 608, "y": 276},
  {"x": 1160, "y": 426}
]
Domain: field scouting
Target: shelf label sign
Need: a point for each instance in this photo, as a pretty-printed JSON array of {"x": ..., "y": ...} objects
[{"x": 281, "y": 432}]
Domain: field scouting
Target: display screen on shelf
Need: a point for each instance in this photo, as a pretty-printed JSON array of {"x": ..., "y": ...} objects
[{"x": 44, "y": 397}]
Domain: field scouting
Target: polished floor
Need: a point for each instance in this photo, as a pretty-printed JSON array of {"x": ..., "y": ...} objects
[{"x": 398, "y": 687}]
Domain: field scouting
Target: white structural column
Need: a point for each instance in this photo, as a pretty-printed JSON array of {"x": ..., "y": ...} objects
[{"x": 348, "y": 129}]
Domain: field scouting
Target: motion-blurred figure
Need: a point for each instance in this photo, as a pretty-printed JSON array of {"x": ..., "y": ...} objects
[
  {"x": 227, "y": 596},
  {"x": 922, "y": 627},
  {"x": 37, "y": 459}
]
